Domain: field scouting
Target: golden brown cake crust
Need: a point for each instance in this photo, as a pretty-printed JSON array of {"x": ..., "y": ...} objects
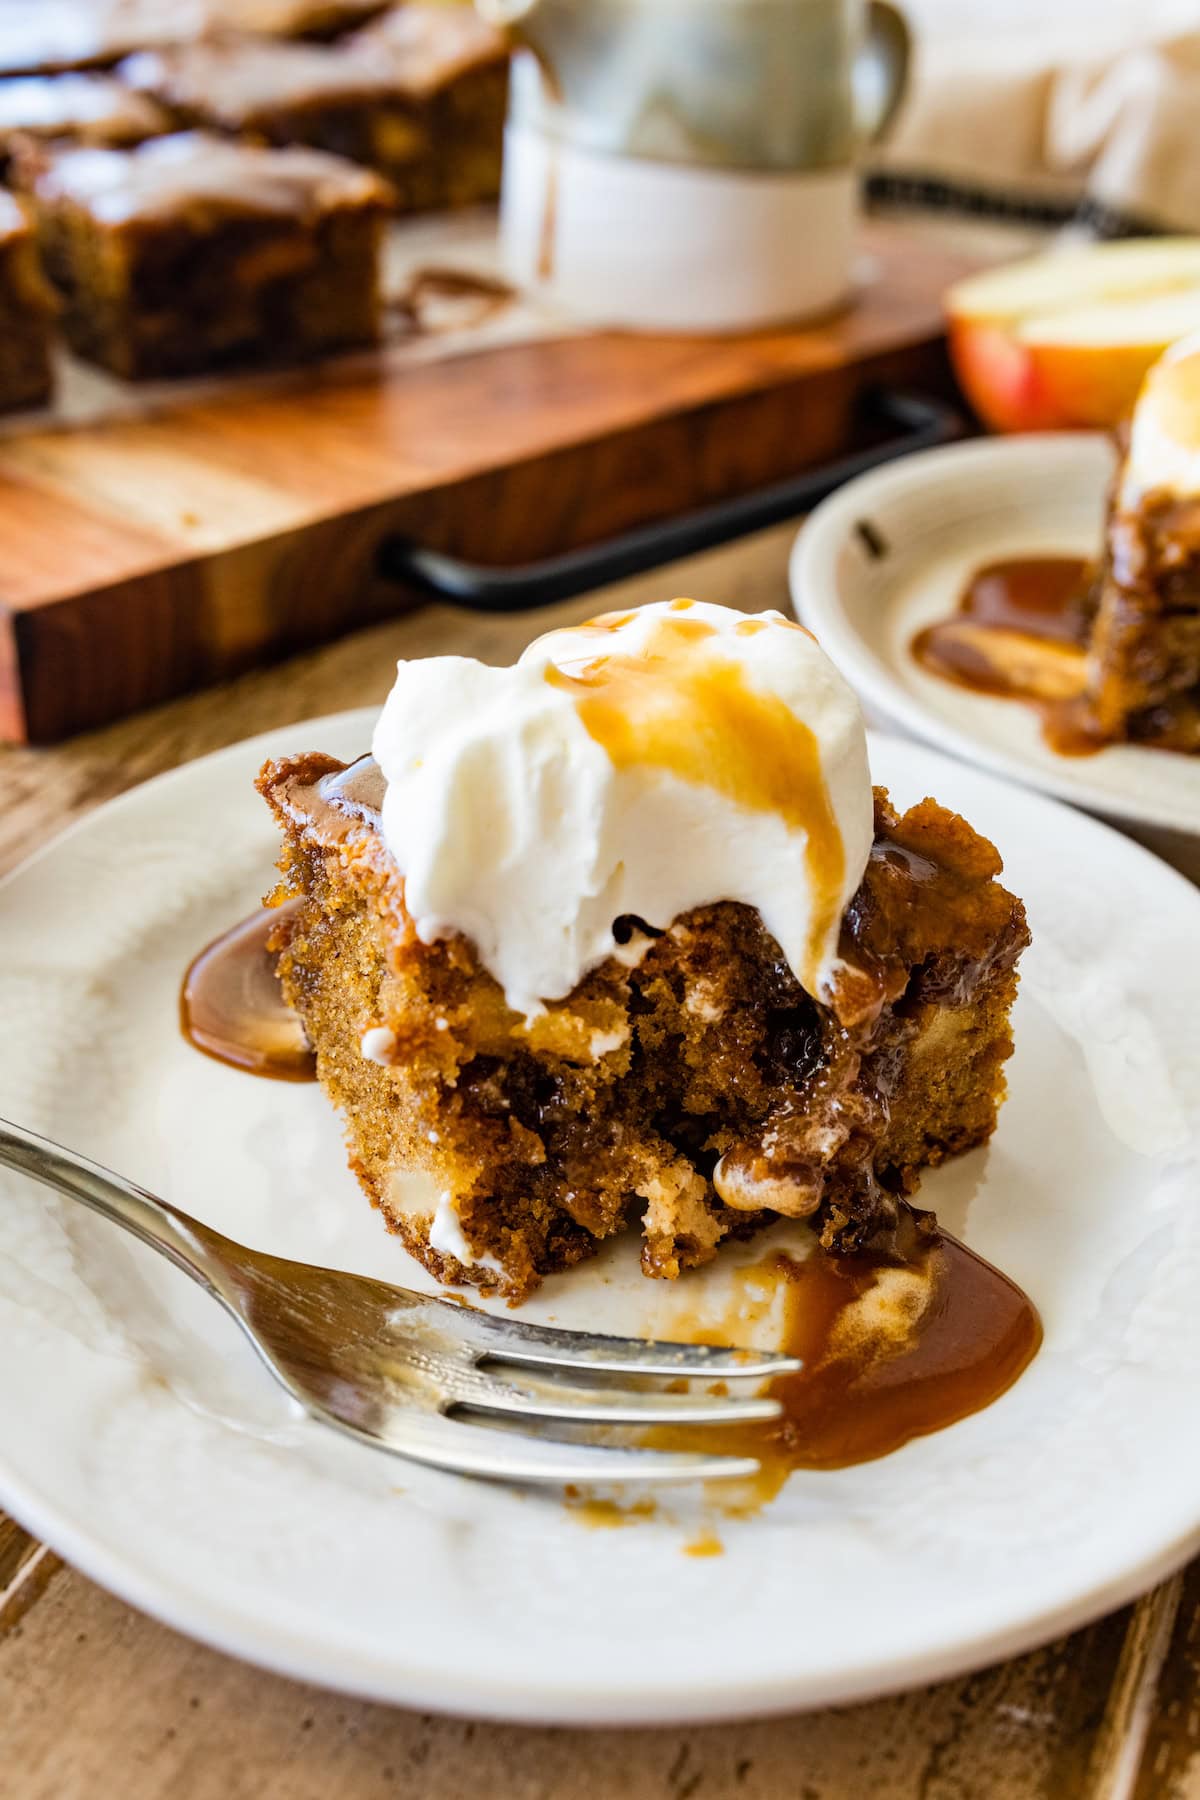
[
  {"x": 691, "y": 1082},
  {"x": 192, "y": 252},
  {"x": 1144, "y": 651}
]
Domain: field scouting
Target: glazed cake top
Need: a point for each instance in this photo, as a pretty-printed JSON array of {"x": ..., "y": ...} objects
[
  {"x": 428, "y": 47},
  {"x": 203, "y": 176},
  {"x": 94, "y": 107},
  {"x": 235, "y": 80}
]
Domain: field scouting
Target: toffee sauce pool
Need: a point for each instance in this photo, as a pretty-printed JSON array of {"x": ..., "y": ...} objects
[
  {"x": 230, "y": 1006},
  {"x": 1019, "y": 633},
  {"x": 868, "y": 1387}
]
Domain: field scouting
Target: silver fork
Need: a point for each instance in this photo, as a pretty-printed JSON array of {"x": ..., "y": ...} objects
[{"x": 396, "y": 1369}]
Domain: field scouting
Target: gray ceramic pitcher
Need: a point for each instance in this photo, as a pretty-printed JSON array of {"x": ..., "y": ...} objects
[{"x": 650, "y": 141}]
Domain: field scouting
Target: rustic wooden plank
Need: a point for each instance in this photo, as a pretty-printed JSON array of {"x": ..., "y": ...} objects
[
  {"x": 15, "y": 1546},
  {"x": 1119, "y": 1749},
  {"x": 95, "y": 1700},
  {"x": 26, "y": 1568},
  {"x": 1170, "y": 1764},
  {"x": 142, "y": 556},
  {"x": 33, "y": 531}
]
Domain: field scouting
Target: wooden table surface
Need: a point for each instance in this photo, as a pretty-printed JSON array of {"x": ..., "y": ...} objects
[{"x": 98, "y": 1701}]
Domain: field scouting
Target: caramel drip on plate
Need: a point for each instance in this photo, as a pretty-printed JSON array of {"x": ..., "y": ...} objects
[
  {"x": 231, "y": 1007},
  {"x": 1038, "y": 595},
  {"x": 891, "y": 1352},
  {"x": 607, "y": 1514},
  {"x": 707, "y": 1543},
  {"x": 1019, "y": 633},
  {"x": 683, "y": 706}
]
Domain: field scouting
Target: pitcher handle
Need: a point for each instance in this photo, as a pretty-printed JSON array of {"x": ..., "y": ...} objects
[{"x": 881, "y": 70}]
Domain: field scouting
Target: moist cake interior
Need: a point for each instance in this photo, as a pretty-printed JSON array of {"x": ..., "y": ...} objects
[
  {"x": 1144, "y": 637},
  {"x": 689, "y": 1085}
]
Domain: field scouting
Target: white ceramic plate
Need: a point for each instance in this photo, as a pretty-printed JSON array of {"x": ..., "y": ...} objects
[
  {"x": 938, "y": 516},
  {"x": 139, "y": 1435}
]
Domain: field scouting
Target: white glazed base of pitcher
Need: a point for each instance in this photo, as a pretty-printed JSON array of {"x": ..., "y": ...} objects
[{"x": 671, "y": 247}]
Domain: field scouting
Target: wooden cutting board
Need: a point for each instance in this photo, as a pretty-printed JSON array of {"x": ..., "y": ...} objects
[{"x": 145, "y": 554}]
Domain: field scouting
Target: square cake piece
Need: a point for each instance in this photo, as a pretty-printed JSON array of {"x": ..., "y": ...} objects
[
  {"x": 191, "y": 252},
  {"x": 419, "y": 96},
  {"x": 693, "y": 1077},
  {"x": 1143, "y": 652},
  {"x": 1143, "y": 644},
  {"x": 441, "y": 142},
  {"x": 26, "y": 312}
]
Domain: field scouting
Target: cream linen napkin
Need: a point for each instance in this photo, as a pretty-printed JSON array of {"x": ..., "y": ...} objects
[{"x": 1016, "y": 128}]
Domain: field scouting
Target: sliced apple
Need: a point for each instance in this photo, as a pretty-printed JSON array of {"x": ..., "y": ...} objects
[{"x": 1064, "y": 339}]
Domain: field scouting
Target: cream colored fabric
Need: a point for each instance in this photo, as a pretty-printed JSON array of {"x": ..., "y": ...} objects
[{"x": 1009, "y": 115}]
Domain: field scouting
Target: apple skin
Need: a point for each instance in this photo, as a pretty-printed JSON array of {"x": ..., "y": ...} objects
[
  {"x": 1015, "y": 385},
  {"x": 1064, "y": 338},
  {"x": 1000, "y": 377}
]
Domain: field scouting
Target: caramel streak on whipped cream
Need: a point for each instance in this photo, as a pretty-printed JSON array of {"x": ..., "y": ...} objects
[
  {"x": 646, "y": 763},
  {"x": 683, "y": 706}
]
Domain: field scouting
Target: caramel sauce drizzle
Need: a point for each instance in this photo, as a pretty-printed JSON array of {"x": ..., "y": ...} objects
[
  {"x": 705, "y": 1543},
  {"x": 892, "y": 1352},
  {"x": 684, "y": 707},
  {"x": 1019, "y": 633},
  {"x": 231, "y": 1007}
]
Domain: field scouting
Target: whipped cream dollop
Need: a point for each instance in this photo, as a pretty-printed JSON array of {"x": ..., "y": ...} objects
[
  {"x": 1164, "y": 432},
  {"x": 645, "y": 763}
]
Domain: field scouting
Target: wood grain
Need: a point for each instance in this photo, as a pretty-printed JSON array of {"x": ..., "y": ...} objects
[
  {"x": 1170, "y": 1763},
  {"x": 1133, "y": 1700},
  {"x": 144, "y": 556},
  {"x": 96, "y": 1700},
  {"x": 196, "y": 1726},
  {"x": 25, "y": 1571}
]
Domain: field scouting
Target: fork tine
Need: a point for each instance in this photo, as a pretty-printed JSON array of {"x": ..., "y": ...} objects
[
  {"x": 499, "y": 1455},
  {"x": 615, "y": 1406},
  {"x": 541, "y": 1346}
]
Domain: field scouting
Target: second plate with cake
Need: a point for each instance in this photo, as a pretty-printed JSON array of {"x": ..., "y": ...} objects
[{"x": 893, "y": 554}]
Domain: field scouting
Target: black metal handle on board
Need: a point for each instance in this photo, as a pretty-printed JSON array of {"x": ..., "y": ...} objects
[{"x": 919, "y": 422}]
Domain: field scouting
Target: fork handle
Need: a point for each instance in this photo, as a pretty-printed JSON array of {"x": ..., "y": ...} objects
[{"x": 180, "y": 1238}]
